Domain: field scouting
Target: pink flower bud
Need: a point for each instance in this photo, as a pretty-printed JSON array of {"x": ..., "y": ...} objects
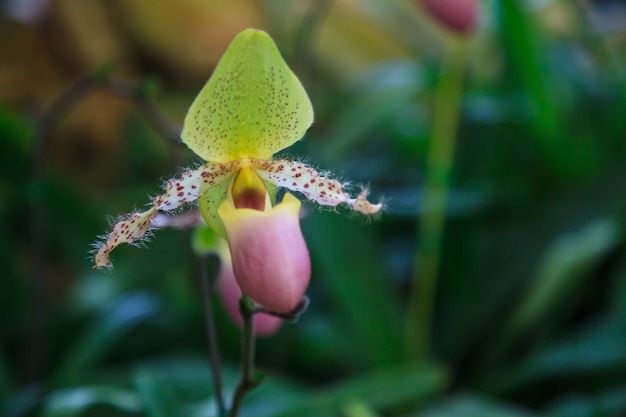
[
  {"x": 457, "y": 15},
  {"x": 270, "y": 258},
  {"x": 264, "y": 324}
]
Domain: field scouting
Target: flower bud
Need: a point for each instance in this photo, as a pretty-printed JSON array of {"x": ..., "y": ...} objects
[
  {"x": 457, "y": 15},
  {"x": 270, "y": 258}
]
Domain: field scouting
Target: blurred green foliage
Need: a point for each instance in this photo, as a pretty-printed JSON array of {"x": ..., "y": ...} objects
[{"x": 530, "y": 314}]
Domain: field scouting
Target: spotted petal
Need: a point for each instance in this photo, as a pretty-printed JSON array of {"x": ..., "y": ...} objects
[
  {"x": 252, "y": 106},
  {"x": 315, "y": 186},
  {"x": 178, "y": 192}
]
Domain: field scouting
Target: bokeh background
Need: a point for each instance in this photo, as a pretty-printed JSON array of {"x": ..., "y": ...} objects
[{"x": 530, "y": 309}]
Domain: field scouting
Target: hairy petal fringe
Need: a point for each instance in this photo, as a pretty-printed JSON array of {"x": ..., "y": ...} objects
[
  {"x": 178, "y": 192},
  {"x": 315, "y": 186}
]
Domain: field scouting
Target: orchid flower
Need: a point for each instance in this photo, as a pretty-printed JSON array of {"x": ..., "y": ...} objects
[{"x": 252, "y": 107}]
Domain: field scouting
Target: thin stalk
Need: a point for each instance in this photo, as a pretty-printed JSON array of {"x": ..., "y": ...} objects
[
  {"x": 249, "y": 380},
  {"x": 435, "y": 195},
  {"x": 207, "y": 279}
]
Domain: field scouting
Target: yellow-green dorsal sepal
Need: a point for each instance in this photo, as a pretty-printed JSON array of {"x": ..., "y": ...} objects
[{"x": 252, "y": 106}]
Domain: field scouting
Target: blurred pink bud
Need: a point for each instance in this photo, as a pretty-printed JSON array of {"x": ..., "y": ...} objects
[
  {"x": 270, "y": 258},
  {"x": 459, "y": 16},
  {"x": 264, "y": 324}
]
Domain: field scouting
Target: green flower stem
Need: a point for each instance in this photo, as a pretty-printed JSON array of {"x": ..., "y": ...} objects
[
  {"x": 249, "y": 379},
  {"x": 207, "y": 283},
  {"x": 437, "y": 184}
]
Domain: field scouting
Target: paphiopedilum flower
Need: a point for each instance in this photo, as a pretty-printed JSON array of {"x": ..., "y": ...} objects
[{"x": 252, "y": 107}]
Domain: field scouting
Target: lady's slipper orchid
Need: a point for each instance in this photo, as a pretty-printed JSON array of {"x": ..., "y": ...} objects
[{"x": 252, "y": 107}]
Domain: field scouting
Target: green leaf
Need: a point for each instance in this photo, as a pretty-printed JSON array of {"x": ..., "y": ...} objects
[
  {"x": 72, "y": 402},
  {"x": 21, "y": 402},
  {"x": 379, "y": 390},
  {"x": 111, "y": 325},
  {"x": 474, "y": 406},
  {"x": 598, "y": 349},
  {"x": 252, "y": 106},
  {"x": 524, "y": 50},
  {"x": 563, "y": 270},
  {"x": 357, "y": 409},
  {"x": 155, "y": 394},
  {"x": 347, "y": 258},
  {"x": 608, "y": 403}
]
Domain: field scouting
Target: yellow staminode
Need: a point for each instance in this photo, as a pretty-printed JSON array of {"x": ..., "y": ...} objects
[{"x": 248, "y": 190}]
